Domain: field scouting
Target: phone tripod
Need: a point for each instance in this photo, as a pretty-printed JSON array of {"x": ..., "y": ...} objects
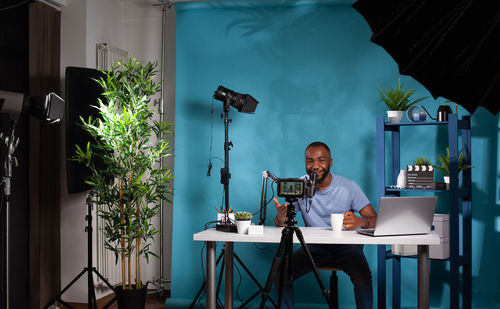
[
  {"x": 92, "y": 301},
  {"x": 282, "y": 262},
  {"x": 219, "y": 303}
]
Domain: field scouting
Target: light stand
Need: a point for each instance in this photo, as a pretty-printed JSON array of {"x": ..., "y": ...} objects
[
  {"x": 226, "y": 225},
  {"x": 244, "y": 103},
  {"x": 89, "y": 270},
  {"x": 49, "y": 109},
  {"x": 11, "y": 143}
]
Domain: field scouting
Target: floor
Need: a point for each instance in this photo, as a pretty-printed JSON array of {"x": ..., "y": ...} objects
[{"x": 153, "y": 301}]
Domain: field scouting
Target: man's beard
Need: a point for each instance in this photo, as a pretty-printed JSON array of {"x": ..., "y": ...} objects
[{"x": 326, "y": 172}]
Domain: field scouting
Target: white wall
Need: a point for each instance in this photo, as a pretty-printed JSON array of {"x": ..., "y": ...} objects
[
  {"x": 73, "y": 236},
  {"x": 132, "y": 26}
]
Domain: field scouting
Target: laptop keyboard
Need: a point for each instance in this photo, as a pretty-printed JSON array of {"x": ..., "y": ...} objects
[{"x": 366, "y": 231}]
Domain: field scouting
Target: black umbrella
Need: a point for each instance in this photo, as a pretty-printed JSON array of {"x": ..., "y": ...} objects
[{"x": 451, "y": 47}]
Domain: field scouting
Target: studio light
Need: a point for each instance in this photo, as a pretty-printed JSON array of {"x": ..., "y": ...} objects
[
  {"x": 48, "y": 108},
  {"x": 244, "y": 103}
]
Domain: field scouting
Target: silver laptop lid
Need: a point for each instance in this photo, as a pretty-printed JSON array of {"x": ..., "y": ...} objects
[{"x": 405, "y": 215}]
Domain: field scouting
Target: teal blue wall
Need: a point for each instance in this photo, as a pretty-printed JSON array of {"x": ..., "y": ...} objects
[{"x": 315, "y": 73}]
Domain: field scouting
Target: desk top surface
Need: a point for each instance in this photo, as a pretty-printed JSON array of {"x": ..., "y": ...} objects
[{"x": 319, "y": 235}]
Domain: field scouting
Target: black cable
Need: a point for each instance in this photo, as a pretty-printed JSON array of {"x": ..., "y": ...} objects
[
  {"x": 211, "y": 140},
  {"x": 310, "y": 203},
  {"x": 208, "y": 223},
  {"x": 14, "y": 5},
  {"x": 239, "y": 282}
]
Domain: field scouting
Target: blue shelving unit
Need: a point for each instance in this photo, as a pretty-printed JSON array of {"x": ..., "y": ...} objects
[{"x": 459, "y": 203}]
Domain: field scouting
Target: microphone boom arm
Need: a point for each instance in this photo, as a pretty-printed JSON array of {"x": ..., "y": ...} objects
[{"x": 263, "y": 196}]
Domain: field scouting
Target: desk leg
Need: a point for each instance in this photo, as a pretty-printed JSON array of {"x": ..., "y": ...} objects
[
  {"x": 423, "y": 276},
  {"x": 210, "y": 284},
  {"x": 228, "y": 280}
]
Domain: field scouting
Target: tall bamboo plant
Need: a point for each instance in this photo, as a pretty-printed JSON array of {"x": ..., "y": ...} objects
[{"x": 130, "y": 143}]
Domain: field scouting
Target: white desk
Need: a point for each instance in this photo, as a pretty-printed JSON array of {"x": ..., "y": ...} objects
[{"x": 312, "y": 235}]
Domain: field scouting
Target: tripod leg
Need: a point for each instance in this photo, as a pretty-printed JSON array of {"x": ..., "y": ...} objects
[
  {"x": 58, "y": 296},
  {"x": 254, "y": 280},
  {"x": 109, "y": 286},
  {"x": 273, "y": 271},
  {"x": 103, "y": 279},
  {"x": 314, "y": 268}
]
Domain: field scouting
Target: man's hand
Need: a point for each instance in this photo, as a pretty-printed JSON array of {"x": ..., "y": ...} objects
[
  {"x": 352, "y": 222},
  {"x": 280, "y": 213}
]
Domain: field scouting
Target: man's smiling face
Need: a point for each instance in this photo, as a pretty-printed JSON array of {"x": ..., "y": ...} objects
[{"x": 318, "y": 161}]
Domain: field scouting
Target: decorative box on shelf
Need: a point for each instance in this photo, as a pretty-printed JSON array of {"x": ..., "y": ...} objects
[
  {"x": 420, "y": 177},
  {"x": 441, "y": 223}
]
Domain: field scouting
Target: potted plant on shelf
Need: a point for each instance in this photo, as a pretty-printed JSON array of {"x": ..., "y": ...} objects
[
  {"x": 444, "y": 165},
  {"x": 130, "y": 188},
  {"x": 423, "y": 161},
  {"x": 243, "y": 221},
  {"x": 398, "y": 101}
]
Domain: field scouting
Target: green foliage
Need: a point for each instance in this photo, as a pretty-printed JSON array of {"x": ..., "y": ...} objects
[
  {"x": 243, "y": 215},
  {"x": 131, "y": 187},
  {"x": 444, "y": 162},
  {"x": 422, "y": 161},
  {"x": 398, "y": 99}
]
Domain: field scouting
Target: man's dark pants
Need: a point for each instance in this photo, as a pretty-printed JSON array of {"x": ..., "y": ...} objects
[{"x": 349, "y": 258}]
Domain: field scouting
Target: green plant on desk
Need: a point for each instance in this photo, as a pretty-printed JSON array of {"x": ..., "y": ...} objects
[{"x": 243, "y": 216}]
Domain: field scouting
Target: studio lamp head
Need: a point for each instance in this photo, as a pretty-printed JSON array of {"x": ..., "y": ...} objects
[
  {"x": 244, "y": 103},
  {"x": 48, "y": 108}
]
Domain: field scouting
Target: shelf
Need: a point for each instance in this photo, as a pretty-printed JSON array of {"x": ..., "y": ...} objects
[
  {"x": 458, "y": 198},
  {"x": 423, "y": 123},
  {"x": 463, "y": 193},
  {"x": 390, "y": 255},
  {"x": 412, "y": 190}
]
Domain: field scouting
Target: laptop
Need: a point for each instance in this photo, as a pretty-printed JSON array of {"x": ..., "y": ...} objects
[{"x": 403, "y": 216}]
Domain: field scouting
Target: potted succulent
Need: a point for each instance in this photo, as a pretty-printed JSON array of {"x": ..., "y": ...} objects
[
  {"x": 243, "y": 221},
  {"x": 398, "y": 101},
  {"x": 131, "y": 186},
  {"x": 444, "y": 165}
]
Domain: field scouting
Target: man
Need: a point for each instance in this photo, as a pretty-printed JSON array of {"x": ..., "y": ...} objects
[{"x": 334, "y": 194}]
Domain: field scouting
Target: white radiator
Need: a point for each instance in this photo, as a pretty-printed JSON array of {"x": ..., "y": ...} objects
[{"x": 106, "y": 55}]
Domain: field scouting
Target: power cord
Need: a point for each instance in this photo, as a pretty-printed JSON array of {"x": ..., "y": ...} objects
[{"x": 210, "y": 165}]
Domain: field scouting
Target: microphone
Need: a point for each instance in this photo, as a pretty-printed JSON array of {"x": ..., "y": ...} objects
[
  {"x": 270, "y": 175},
  {"x": 313, "y": 178}
]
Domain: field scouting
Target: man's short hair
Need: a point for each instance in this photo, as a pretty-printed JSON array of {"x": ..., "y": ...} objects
[{"x": 319, "y": 144}]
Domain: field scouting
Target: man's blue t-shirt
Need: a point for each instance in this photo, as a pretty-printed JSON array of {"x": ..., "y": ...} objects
[{"x": 341, "y": 195}]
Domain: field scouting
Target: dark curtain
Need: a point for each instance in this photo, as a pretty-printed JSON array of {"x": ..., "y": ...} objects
[
  {"x": 44, "y": 172},
  {"x": 14, "y": 77}
]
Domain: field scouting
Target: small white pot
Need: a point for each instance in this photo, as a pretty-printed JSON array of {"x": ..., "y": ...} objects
[
  {"x": 447, "y": 182},
  {"x": 395, "y": 116},
  {"x": 242, "y": 226}
]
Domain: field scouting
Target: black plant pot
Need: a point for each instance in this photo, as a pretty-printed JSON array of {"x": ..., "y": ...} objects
[{"x": 131, "y": 299}]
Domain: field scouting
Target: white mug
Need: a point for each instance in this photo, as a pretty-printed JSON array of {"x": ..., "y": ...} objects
[{"x": 337, "y": 221}]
